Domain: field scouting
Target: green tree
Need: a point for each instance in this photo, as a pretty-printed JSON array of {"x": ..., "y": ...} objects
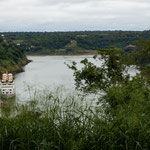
[
  {"x": 111, "y": 72},
  {"x": 125, "y": 100}
]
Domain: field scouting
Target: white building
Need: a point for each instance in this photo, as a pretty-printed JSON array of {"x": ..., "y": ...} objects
[{"x": 7, "y": 86}]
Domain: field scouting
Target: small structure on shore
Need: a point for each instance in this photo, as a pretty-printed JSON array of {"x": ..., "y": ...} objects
[
  {"x": 7, "y": 86},
  {"x": 130, "y": 48}
]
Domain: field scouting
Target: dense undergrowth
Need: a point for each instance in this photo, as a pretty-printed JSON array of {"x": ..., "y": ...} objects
[
  {"x": 50, "y": 122},
  {"x": 120, "y": 121}
]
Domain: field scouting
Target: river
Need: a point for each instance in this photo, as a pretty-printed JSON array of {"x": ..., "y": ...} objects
[
  {"x": 48, "y": 72},
  {"x": 45, "y": 72}
]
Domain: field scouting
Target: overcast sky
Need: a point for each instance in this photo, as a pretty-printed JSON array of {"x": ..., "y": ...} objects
[{"x": 74, "y": 15}]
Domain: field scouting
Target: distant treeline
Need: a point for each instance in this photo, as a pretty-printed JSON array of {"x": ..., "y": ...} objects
[
  {"x": 86, "y": 40},
  {"x": 11, "y": 57}
]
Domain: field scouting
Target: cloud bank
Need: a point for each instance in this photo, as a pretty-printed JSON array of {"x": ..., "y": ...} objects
[{"x": 74, "y": 15}]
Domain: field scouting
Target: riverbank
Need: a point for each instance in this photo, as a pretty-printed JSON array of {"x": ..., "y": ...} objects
[
  {"x": 12, "y": 58},
  {"x": 62, "y": 54},
  {"x": 14, "y": 68},
  {"x": 21, "y": 67}
]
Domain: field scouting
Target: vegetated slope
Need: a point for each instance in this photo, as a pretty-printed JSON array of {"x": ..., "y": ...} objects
[
  {"x": 140, "y": 57},
  {"x": 12, "y": 58},
  {"x": 52, "y": 121},
  {"x": 87, "y": 40}
]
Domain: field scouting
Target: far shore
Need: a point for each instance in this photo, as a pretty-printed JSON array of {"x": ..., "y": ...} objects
[{"x": 89, "y": 53}]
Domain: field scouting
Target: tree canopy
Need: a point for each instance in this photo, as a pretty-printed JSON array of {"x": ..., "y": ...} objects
[
  {"x": 125, "y": 100},
  {"x": 37, "y": 42},
  {"x": 11, "y": 57}
]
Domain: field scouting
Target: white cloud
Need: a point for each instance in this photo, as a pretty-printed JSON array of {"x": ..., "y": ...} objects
[{"x": 50, "y": 15}]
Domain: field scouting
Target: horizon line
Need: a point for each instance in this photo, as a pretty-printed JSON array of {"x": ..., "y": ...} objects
[{"x": 74, "y": 31}]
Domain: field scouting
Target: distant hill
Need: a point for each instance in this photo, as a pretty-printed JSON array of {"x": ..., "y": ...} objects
[
  {"x": 12, "y": 57},
  {"x": 52, "y": 42}
]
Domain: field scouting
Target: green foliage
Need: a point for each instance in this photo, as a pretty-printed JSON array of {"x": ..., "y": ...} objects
[
  {"x": 121, "y": 121},
  {"x": 72, "y": 48},
  {"x": 128, "y": 111},
  {"x": 1, "y": 39},
  {"x": 143, "y": 54},
  {"x": 65, "y": 124},
  {"x": 11, "y": 57},
  {"x": 125, "y": 100},
  {"x": 110, "y": 72},
  {"x": 140, "y": 57},
  {"x": 86, "y": 40}
]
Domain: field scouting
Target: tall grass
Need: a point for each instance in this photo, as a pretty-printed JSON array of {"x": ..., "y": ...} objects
[{"x": 49, "y": 122}]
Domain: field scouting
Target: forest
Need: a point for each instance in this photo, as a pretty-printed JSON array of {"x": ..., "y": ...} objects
[
  {"x": 119, "y": 120},
  {"x": 61, "y": 42},
  {"x": 12, "y": 57}
]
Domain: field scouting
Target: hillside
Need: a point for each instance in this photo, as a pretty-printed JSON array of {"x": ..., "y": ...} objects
[
  {"x": 12, "y": 58},
  {"x": 57, "y": 42}
]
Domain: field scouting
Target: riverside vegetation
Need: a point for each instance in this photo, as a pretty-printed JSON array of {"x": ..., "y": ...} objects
[
  {"x": 53, "y": 43},
  {"x": 120, "y": 120},
  {"x": 140, "y": 57},
  {"x": 12, "y": 57}
]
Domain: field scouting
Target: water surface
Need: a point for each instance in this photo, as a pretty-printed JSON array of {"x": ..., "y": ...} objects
[{"x": 48, "y": 72}]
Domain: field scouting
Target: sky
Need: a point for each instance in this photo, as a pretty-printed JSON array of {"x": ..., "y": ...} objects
[{"x": 74, "y": 15}]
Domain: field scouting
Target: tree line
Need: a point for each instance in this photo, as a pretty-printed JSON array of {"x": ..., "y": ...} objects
[{"x": 86, "y": 40}]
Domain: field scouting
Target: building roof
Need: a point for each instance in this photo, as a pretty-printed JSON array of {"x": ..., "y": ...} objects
[{"x": 131, "y": 46}]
